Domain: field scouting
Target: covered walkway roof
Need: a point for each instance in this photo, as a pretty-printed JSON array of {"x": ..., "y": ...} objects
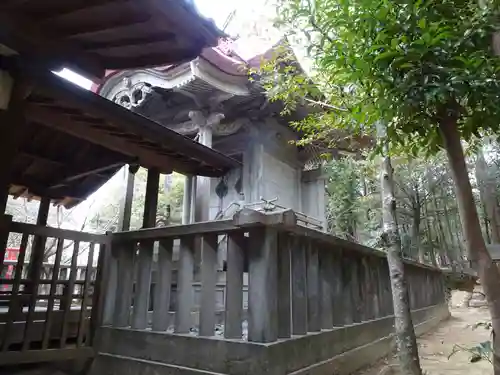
[{"x": 82, "y": 139}]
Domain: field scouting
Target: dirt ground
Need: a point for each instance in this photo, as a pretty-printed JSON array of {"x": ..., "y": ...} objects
[{"x": 435, "y": 346}]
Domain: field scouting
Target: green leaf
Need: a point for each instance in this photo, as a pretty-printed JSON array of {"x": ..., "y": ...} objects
[{"x": 389, "y": 55}]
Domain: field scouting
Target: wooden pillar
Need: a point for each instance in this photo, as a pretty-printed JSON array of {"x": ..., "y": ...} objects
[
  {"x": 202, "y": 206},
  {"x": 187, "y": 199},
  {"x": 126, "y": 204},
  {"x": 13, "y": 93},
  {"x": 263, "y": 288},
  {"x": 145, "y": 257}
]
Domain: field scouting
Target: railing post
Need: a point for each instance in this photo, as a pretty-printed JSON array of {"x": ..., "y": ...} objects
[
  {"x": 163, "y": 286},
  {"x": 125, "y": 270},
  {"x": 313, "y": 288},
  {"x": 183, "y": 318},
  {"x": 347, "y": 285},
  {"x": 263, "y": 288},
  {"x": 338, "y": 290},
  {"x": 106, "y": 284},
  {"x": 284, "y": 290},
  {"x": 234, "y": 285},
  {"x": 299, "y": 287},
  {"x": 375, "y": 270},
  {"x": 355, "y": 289},
  {"x": 208, "y": 282},
  {"x": 327, "y": 287}
]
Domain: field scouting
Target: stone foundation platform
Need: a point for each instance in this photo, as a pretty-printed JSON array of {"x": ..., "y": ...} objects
[{"x": 338, "y": 351}]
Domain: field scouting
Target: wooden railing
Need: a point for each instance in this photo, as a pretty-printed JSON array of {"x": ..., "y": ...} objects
[
  {"x": 300, "y": 280},
  {"x": 49, "y": 296}
]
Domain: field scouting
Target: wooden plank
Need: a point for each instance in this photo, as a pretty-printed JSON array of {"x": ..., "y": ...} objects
[
  {"x": 145, "y": 257},
  {"x": 66, "y": 303},
  {"x": 106, "y": 285},
  {"x": 35, "y": 268},
  {"x": 375, "y": 270},
  {"x": 299, "y": 288},
  {"x": 49, "y": 355},
  {"x": 284, "y": 286},
  {"x": 313, "y": 288},
  {"x": 234, "y": 285},
  {"x": 365, "y": 290},
  {"x": 177, "y": 231},
  {"x": 327, "y": 288},
  {"x": 104, "y": 290},
  {"x": 355, "y": 289},
  {"x": 53, "y": 286},
  {"x": 44, "y": 231},
  {"x": 163, "y": 286},
  {"x": 183, "y": 320},
  {"x": 123, "y": 297},
  {"x": 347, "y": 307},
  {"x": 5, "y": 229},
  {"x": 82, "y": 329},
  {"x": 208, "y": 280},
  {"x": 263, "y": 286},
  {"x": 338, "y": 302},
  {"x": 14, "y": 306}
]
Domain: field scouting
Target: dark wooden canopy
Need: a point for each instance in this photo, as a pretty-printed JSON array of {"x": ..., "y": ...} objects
[
  {"x": 76, "y": 140},
  {"x": 91, "y": 36}
]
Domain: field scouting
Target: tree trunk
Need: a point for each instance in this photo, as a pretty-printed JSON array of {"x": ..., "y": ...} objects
[
  {"x": 476, "y": 247},
  {"x": 487, "y": 194},
  {"x": 405, "y": 334}
]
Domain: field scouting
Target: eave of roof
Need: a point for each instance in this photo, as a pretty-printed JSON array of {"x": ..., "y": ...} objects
[{"x": 92, "y": 36}]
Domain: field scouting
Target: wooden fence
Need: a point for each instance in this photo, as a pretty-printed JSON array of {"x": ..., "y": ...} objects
[
  {"x": 299, "y": 280},
  {"x": 46, "y": 304}
]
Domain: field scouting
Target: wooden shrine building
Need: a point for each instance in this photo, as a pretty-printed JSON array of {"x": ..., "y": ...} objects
[{"x": 315, "y": 303}]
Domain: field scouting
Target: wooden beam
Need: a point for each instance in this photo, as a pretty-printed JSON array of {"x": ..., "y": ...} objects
[
  {"x": 165, "y": 36},
  {"x": 80, "y": 9},
  {"x": 25, "y": 38},
  {"x": 151, "y": 60},
  {"x": 97, "y": 27},
  {"x": 82, "y": 174}
]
